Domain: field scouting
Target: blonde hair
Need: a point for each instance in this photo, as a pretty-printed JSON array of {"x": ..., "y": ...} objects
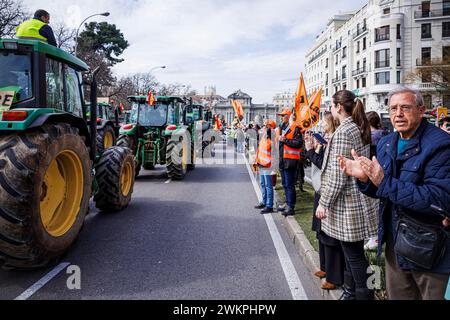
[{"x": 331, "y": 122}]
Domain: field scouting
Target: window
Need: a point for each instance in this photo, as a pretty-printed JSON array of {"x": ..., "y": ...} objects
[
  {"x": 364, "y": 64},
  {"x": 426, "y": 55},
  {"x": 426, "y": 31},
  {"x": 446, "y": 7},
  {"x": 364, "y": 43},
  {"x": 73, "y": 92},
  {"x": 399, "y": 77},
  {"x": 16, "y": 71},
  {"x": 399, "y": 31},
  {"x": 358, "y": 46},
  {"x": 382, "y": 34},
  {"x": 344, "y": 72},
  {"x": 326, "y": 63},
  {"x": 382, "y": 58},
  {"x": 425, "y": 9},
  {"x": 445, "y": 29},
  {"x": 344, "y": 52},
  {"x": 382, "y": 78},
  {"x": 399, "y": 57},
  {"x": 357, "y": 84},
  {"x": 326, "y": 92},
  {"x": 446, "y": 54},
  {"x": 386, "y": 10},
  {"x": 358, "y": 65},
  {"x": 363, "y": 82},
  {"x": 54, "y": 82}
]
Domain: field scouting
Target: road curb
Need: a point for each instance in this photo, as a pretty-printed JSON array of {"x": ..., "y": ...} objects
[{"x": 306, "y": 251}]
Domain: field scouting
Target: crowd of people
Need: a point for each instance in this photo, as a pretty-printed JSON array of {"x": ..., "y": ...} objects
[{"x": 372, "y": 188}]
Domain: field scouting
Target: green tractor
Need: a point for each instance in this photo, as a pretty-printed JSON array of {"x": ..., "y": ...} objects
[
  {"x": 163, "y": 133},
  {"x": 208, "y": 137},
  {"x": 49, "y": 164},
  {"x": 107, "y": 126}
]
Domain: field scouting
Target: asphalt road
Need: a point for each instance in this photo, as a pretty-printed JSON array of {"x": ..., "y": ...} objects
[{"x": 195, "y": 239}]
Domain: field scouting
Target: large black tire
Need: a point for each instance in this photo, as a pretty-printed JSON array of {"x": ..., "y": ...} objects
[
  {"x": 101, "y": 141},
  {"x": 191, "y": 166},
  {"x": 25, "y": 159},
  {"x": 111, "y": 196},
  {"x": 176, "y": 170},
  {"x": 129, "y": 142}
]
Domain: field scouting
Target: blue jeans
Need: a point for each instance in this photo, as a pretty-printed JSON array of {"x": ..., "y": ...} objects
[
  {"x": 288, "y": 180},
  {"x": 267, "y": 191}
]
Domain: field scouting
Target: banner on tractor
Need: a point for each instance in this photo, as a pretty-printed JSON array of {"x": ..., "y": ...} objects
[
  {"x": 301, "y": 97},
  {"x": 6, "y": 100},
  {"x": 310, "y": 114}
]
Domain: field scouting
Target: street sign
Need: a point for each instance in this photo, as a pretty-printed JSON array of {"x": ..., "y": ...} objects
[{"x": 442, "y": 113}]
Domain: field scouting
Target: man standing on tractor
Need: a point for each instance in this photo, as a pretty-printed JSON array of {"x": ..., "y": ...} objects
[{"x": 37, "y": 28}]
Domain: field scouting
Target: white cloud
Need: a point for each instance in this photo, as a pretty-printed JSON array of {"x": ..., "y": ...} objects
[{"x": 247, "y": 44}]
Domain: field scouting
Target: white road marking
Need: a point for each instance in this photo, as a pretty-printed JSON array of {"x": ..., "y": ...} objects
[
  {"x": 168, "y": 181},
  {"x": 41, "y": 283},
  {"x": 292, "y": 278}
]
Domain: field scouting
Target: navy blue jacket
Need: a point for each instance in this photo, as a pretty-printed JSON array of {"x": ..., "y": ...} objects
[
  {"x": 414, "y": 180},
  {"x": 47, "y": 32}
]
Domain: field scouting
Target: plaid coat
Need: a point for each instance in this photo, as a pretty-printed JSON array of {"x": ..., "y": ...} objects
[{"x": 352, "y": 216}]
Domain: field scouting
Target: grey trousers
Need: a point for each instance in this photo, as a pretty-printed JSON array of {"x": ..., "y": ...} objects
[{"x": 411, "y": 284}]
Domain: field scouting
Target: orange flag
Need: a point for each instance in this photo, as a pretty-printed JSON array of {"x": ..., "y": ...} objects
[
  {"x": 310, "y": 115},
  {"x": 151, "y": 98},
  {"x": 301, "y": 98},
  {"x": 238, "y": 109}
]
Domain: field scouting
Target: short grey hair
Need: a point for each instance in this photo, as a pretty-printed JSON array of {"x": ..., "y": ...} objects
[{"x": 419, "y": 98}]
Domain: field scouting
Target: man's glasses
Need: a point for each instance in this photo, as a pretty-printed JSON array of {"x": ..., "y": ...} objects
[{"x": 403, "y": 108}]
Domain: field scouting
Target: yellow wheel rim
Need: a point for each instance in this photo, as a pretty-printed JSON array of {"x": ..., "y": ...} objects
[
  {"x": 61, "y": 193},
  {"x": 108, "y": 140},
  {"x": 126, "y": 179},
  {"x": 184, "y": 157}
]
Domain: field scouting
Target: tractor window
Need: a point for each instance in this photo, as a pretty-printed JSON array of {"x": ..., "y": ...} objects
[
  {"x": 15, "y": 75},
  {"x": 155, "y": 116},
  {"x": 173, "y": 116},
  {"x": 54, "y": 80},
  {"x": 73, "y": 92}
]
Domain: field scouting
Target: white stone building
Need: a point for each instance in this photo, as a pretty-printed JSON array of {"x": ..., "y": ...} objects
[
  {"x": 284, "y": 100},
  {"x": 374, "y": 50}
]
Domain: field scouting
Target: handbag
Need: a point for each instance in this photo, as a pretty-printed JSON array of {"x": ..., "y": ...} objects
[
  {"x": 420, "y": 243},
  {"x": 316, "y": 178}
]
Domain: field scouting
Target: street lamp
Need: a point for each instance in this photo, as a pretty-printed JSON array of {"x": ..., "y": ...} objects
[
  {"x": 104, "y": 14},
  {"x": 159, "y": 67}
]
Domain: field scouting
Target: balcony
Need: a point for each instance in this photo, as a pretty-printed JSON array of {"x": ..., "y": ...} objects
[
  {"x": 423, "y": 62},
  {"x": 335, "y": 80},
  {"x": 382, "y": 64},
  {"x": 317, "y": 56},
  {"x": 359, "y": 71},
  {"x": 359, "y": 32},
  {"x": 337, "y": 46},
  {"x": 431, "y": 14},
  {"x": 382, "y": 37}
]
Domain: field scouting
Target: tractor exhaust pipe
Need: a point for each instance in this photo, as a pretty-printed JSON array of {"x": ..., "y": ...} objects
[{"x": 93, "y": 123}]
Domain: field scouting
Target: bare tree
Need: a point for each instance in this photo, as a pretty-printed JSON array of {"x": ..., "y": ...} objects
[
  {"x": 65, "y": 37},
  {"x": 436, "y": 72},
  {"x": 12, "y": 13}
]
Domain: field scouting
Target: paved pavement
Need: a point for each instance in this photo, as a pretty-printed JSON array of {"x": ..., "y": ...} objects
[{"x": 195, "y": 239}]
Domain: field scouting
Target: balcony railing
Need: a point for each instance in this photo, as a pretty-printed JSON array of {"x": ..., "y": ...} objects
[
  {"x": 359, "y": 31},
  {"x": 359, "y": 71},
  {"x": 317, "y": 56},
  {"x": 382, "y": 64},
  {"x": 336, "y": 80},
  {"x": 382, "y": 37},
  {"x": 423, "y": 62},
  {"x": 431, "y": 14}
]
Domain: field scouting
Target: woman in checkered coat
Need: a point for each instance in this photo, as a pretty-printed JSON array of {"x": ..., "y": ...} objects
[{"x": 347, "y": 215}]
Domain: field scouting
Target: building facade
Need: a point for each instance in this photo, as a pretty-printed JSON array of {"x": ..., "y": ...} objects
[
  {"x": 284, "y": 100},
  {"x": 379, "y": 48},
  {"x": 252, "y": 111}
]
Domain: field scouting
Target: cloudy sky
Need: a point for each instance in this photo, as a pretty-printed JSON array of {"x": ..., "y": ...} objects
[{"x": 253, "y": 45}]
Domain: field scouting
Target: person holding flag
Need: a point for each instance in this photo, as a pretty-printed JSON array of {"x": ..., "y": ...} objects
[{"x": 290, "y": 144}]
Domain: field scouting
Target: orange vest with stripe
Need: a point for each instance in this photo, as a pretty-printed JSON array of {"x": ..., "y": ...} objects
[
  {"x": 264, "y": 155},
  {"x": 288, "y": 152}
]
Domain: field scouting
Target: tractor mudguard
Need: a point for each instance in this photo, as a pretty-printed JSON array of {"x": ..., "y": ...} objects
[
  {"x": 77, "y": 122},
  {"x": 128, "y": 129}
]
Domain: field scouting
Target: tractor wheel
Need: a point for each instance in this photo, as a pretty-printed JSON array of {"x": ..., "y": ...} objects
[
  {"x": 206, "y": 153},
  {"x": 115, "y": 179},
  {"x": 191, "y": 166},
  {"x": 176, "y": 160},
  {"x": 128, "y": 142},
  {"x": 45, "y": 187},
  {"x": 106, "y": 138}
]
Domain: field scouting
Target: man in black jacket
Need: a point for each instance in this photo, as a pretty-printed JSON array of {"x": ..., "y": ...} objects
[{"x": 290, "y": 143}]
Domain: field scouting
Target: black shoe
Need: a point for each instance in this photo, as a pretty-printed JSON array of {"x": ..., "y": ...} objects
[
  {"x": 281, "y": 209},
  {"x": 267, "y": 210},
  {"x": 260, "y": 206},
  {"x": 348, "y": 287},
  {"x": 289, "y": 213}
]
